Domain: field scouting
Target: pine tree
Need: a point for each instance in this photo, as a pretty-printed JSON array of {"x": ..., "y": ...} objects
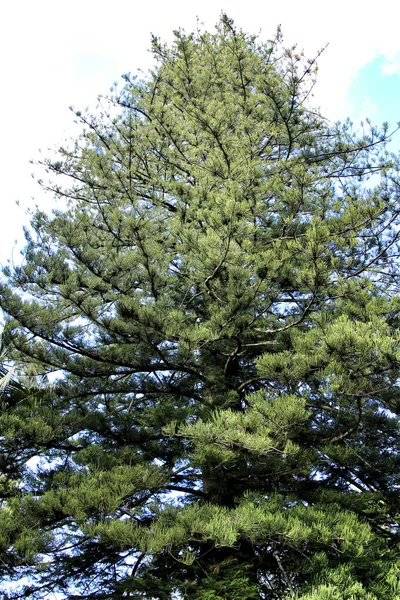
[{"x": 217, "y": 299}]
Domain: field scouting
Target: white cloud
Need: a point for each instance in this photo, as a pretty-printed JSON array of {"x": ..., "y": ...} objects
[
  {"x": 391, "y": 67},
  {"x": 367, "y": 110}
]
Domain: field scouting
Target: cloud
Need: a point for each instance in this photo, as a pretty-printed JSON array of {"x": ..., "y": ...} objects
[{"x": 392, "y": 67}]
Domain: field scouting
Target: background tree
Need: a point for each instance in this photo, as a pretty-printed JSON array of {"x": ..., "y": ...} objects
[{"x": 218, "y": 298}]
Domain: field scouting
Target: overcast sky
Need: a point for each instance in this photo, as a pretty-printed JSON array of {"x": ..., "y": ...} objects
[{"x": 56, "y": 54}]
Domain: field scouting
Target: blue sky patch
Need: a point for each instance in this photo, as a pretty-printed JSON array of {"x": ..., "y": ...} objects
[{"x": 375, "y": 93}]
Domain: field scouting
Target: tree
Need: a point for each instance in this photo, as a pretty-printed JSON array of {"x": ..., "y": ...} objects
[{"x": 217, "y": 298}]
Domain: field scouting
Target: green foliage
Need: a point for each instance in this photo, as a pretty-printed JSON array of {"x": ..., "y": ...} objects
[{"x": 216, "y": 298}]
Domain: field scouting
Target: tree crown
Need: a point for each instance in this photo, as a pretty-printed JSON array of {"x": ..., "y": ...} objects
[{"x": 219, "y": 293}]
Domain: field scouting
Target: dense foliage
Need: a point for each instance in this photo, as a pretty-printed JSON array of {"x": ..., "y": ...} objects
[{"x": 217, "y": 300}]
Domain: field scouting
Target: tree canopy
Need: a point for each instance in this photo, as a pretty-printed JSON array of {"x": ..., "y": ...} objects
[{"x": 216, "y": 301}]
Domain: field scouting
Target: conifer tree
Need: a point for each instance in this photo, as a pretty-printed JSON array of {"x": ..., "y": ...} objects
[{"x": 217, "y": 299}]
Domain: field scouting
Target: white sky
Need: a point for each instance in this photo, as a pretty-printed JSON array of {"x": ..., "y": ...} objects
[{"x": 54, "y": 54}]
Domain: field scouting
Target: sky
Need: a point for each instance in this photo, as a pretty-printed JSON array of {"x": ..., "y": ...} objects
[{"x": 57, "y": 54}]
